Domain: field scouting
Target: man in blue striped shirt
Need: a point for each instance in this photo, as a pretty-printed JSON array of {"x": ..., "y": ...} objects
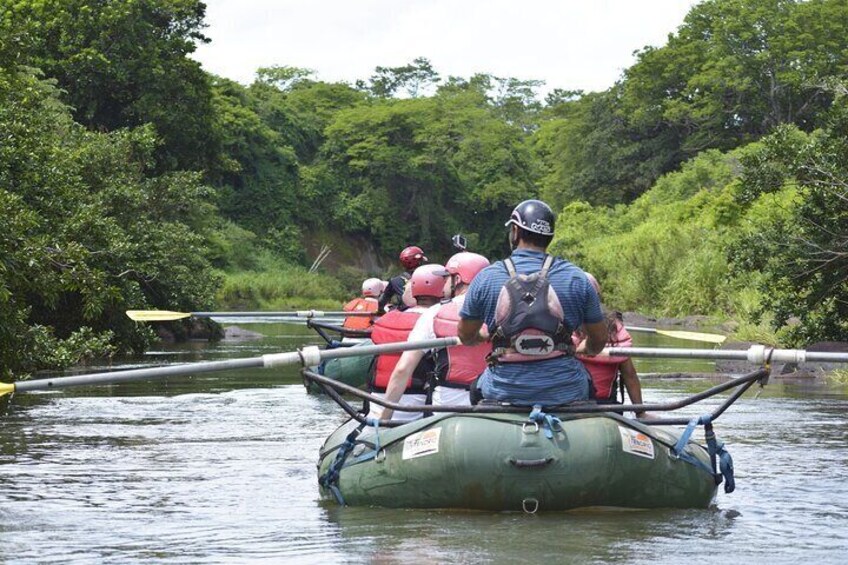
[{"x": 554, "y": 381}]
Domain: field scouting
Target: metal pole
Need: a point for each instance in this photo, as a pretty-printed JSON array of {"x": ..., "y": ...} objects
[
  {"x": 113, "y": 377},
  {"x": 307, "y": 357},
  {"x": 292, "y": 314},
  {"x": 757, "y": 354}
]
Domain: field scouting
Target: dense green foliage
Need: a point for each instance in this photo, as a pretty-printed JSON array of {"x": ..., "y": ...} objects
[
  {"x": 87, "y": 232},
  {"x": 707, "y": 180},
  {"x": 733, "y": 71}
]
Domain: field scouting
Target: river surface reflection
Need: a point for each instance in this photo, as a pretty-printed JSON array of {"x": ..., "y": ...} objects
[{"x": 221, "y": 468}]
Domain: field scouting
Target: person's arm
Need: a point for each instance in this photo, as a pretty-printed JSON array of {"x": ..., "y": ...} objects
[
  {"x": 400, "y": 377},
  {"x": 386, "y": 296},
  {"x": 596, "y": 337},
  {"x": 471, "y": 332},
  {"x": 631, "y": 383}
]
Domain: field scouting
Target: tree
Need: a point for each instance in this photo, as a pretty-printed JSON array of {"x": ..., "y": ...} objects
[
  {"x": 422, "y": 169},
  {"x": 804, "y": 259},
  {"x": 413, "y": 78},
  {"x": 88, "y": 231},
  {"x": 123, "y": 63},
  {"x": 588, "y": 152}
]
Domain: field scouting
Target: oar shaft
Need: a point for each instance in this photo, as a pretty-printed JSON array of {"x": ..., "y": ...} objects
[
  {"x": 313, "y": 355},
  {"x": 308, "y": 356},
  {"x": 151, "y": 373},
  {"x": 292, "y": 314},
  {"x": 641, "y": 329},
  {"x": 755, "y": 354}
]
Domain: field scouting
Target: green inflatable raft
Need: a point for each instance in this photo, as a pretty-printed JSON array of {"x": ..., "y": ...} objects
[
  {"x": 353, "y": 371},
  {"x": 507, "y": 462}
]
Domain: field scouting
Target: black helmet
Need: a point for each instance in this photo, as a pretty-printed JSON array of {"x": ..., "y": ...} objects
[{"x": 534, "y": 216}]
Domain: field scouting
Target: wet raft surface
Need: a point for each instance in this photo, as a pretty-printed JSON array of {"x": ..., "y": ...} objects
[{"x": 501, "y": 462}]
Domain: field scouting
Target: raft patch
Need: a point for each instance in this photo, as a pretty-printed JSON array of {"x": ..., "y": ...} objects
[
  {"x": 636, "y": 443},
  {"x": 421, "y": 444}
]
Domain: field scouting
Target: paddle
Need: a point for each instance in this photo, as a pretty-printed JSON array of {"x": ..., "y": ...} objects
[
  {"x": 693, "y": 336},
  {"x": 167, "y": 315},
  {"x": 308, "y": 357}
]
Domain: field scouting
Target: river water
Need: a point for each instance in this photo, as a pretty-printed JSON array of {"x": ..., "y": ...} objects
[{"x": 221, "y": 468}]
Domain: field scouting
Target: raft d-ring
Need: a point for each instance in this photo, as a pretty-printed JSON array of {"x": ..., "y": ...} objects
[
  {"x": 380, "y": 457},
  {"x": 535, "y": 430},
  {"x": 672, "y": 455},
  {"x": 526, "y": 502}
]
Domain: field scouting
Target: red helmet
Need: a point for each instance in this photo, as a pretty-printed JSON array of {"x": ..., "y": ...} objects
[
  {"x": 411, "y": 257},
  {"x": 465, "y": 265},
  {"x": 428, "y": 280}
]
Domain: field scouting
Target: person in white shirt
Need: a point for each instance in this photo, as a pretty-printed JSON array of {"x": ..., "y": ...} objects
[{"x": 456, "y": 367}]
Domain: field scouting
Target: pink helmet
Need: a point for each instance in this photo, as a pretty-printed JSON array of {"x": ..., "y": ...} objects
[
  {"x": 372, "y": 287},
  {"x": 594, "y": 282},
  {"x": 465, "y": 265},
  {"x": 428, "y": 280}
]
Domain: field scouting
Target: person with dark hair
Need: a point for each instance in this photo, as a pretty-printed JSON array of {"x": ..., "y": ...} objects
[
  {"x": 607, "y": 371},
  {"x": 531, "y": 303}
]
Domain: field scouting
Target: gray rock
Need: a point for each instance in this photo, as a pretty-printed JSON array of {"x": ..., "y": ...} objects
[{"x": 235, "y": 333}]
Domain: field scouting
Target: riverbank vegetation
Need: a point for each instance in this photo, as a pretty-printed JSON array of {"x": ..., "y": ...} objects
[{"x": 708, "y": 180}]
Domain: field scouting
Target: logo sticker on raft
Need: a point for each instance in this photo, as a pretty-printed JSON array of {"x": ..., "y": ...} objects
[
  {"x": 421, "y": 443},
  {"x": 637, "y": 443}
]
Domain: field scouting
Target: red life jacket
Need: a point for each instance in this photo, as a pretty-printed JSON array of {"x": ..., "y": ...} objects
[
  {"x": 394, "y": 327},
  {"x": 457, "y": 366},
  {"x": 360, "y": 323},
  {"x": 604, "y": 369}
]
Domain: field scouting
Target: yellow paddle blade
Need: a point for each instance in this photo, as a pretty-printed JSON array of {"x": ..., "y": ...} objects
[
  {"x": 7, "y": 388},
  {"x": 156, "y": 315},
  {"x": 693, "y": 336}
]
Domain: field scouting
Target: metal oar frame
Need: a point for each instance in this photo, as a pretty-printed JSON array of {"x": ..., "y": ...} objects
[
  {"x": 322, "y": 328},
  {"x": 741, "y": 384}
]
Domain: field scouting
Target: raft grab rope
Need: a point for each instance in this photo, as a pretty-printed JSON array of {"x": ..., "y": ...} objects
[
  {"x": 715, "y": 449},
  {"x": 330, "y": 479}
]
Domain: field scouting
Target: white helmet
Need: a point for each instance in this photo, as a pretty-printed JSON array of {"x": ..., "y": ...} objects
[{"x": 372, "y": 287}]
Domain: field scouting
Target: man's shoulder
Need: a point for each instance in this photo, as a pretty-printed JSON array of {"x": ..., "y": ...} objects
[{"x": 495, "y": 269}]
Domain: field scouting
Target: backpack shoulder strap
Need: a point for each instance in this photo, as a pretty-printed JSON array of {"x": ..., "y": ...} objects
[
  {"x": 510, "y": 266},
  {"x": 546, "y": 265}
]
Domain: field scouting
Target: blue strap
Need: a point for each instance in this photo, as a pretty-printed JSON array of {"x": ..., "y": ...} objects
[
  {"x": 714, "y": 447},
  {"x": 330, "y": 479},
  {"x": 684, "y": 438},
  {"x": 725, "y": 461},
  {"x": 371, "y": 454},
  {"x": 548, "y": 422}
]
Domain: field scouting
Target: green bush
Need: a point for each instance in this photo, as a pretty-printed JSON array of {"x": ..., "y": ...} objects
[{"x": 286, "y": 287}]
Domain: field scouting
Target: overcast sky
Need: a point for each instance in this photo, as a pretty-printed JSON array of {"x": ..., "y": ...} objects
[{"x": 570, "y": 44}]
